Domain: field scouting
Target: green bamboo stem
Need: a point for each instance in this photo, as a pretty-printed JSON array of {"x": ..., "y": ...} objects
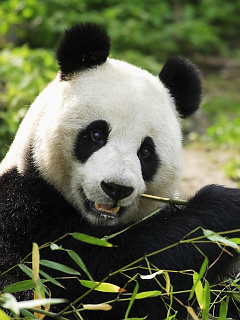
[
  {"x": 154, "y": 198},
  {"x": 47, "y": 313},
  {"x": 170, "y": 201}
]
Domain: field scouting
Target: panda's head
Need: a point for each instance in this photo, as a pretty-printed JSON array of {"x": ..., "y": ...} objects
[{"x": 104, "y": 132}]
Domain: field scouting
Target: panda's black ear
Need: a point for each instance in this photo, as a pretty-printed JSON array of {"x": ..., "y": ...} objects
[
  {"x": 82, "y": 47},
  {"x": 183, "y": 80}
]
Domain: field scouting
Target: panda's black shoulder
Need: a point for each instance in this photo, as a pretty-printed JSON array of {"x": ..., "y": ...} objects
[
  {"x": 31, "y": 195},
  {"x": 30, "y": 209},
  {"x": 18, "y": 189}
]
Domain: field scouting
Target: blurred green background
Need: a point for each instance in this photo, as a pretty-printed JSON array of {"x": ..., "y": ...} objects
[{"x": 144, "y": 33}]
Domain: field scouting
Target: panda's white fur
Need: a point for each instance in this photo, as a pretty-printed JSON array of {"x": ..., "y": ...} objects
[{"x": 135, "y": 104}]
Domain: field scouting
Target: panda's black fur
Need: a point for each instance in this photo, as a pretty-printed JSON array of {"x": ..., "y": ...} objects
[
  {"x": 82, "y": 46},
  {"x": 35, "y": 207},
  {"x": 33, "y": 210},
  {"x": 182, "y": 78}
]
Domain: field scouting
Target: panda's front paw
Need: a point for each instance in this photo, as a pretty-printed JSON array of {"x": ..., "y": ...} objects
[
  {"x": 217, "y": 194},
  {"x": 216, "y": 207}
]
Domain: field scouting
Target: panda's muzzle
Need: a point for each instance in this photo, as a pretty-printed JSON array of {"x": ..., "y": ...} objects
[
  {"x": 111, "y": 208},
  {"x": 116, "y": 192}
]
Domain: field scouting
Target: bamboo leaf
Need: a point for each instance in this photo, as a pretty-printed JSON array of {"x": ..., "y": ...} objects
[
  {"x": 35, "y": 263},
  {"x": 27, "y": 314},
  {"x": 198, "y": 289},
  {"x": 54, "y": 246},
  {"x": 101, "y": 306},
  {"x": 19, "y": 286},
  {"x": 79, "y": 262},
  {"x": 38, "y": 286},
  {"x": 3, "y": 315},
  {"x": 26, "y": 270},
  {"x": 33, "y": 303},
  {"x": 223, "y": 310},
  {"x": 200, "y": 275},
  {"x": 148, "y": 294},
  {"x": 36, "y": 297},
  {"x": 235, "y": 240},
  {"x": 103, "y": 287},
  {"x": 217, "y": 238},
  {"x": 135, "y": 291},
  {"x": 91, "y": 240},
  {"x": 192, "y": 313},
  {"x": 54, "y": 281},
  {"x": 207, "y": 301},
  {"x": 168, "y": 283},
  {"x": 39, "y": 290},
  {"x": 151, "y": 276},
  {"x": 203, "y": 267},
  {"x": 9, "y": 302},
  {"x": 59, "y": 267}
]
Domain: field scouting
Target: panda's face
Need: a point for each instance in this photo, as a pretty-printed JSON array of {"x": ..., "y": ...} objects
[
  {"x": 111, "y": 135},
  {"x": 104, "y": 132}
]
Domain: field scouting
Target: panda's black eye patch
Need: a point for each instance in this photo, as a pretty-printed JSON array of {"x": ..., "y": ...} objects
[
  {"x": 91, "y": 139},
  {"x": 148, "y": 158}
]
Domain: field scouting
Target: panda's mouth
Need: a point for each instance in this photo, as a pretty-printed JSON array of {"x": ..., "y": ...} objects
[{"x": 108, "y": 210}]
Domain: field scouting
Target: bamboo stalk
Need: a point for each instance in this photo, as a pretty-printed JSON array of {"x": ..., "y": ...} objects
[{"x": 170, "y": 201}]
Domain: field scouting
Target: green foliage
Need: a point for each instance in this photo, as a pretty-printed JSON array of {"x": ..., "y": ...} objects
[
  {"x": 221, "y": 108},
  {"x": 24, "y": 73},
  {"x": 156, "y": 27},
  {"x": 206, "y": 296},
  {"x": 225, "y": 132},
  {"x": 233, "y": 169}
]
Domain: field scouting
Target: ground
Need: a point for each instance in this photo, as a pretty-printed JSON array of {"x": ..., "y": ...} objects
[{"x": 201, "y": 167}]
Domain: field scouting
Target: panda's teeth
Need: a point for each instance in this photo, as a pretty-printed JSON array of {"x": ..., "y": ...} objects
[{"x": 106, "y": 208}]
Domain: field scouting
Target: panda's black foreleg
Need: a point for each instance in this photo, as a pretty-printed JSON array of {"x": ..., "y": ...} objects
[{"x": 214, "y": 208}]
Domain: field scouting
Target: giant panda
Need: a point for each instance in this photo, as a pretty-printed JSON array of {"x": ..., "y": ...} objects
[{"x": 100, "y": 135}]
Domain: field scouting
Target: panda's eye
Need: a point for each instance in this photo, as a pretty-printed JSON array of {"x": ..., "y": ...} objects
[
  {"x": 97, "y": 135},
  {"x": 144, "y": 152}
]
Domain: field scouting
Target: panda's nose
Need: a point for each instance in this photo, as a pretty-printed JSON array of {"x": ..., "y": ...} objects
[{"x": 116, "y": 191}]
